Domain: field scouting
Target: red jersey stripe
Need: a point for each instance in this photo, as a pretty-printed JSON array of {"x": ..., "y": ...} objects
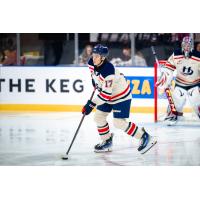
[
  {"x": 101, "y": 77},
  {"x": 187, "y": 82},
  {"x": 104, "y": 96},
  {"x": 178, "y": 57},
  {"x": 90, "y": 66},
  {"x": 120, "y": 93},
  {"x": 194, "y": 58},
  {"x": 169, "y": 67}
]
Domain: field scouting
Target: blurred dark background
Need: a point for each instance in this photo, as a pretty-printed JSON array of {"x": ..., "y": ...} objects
[{"x": 74, "y": 49}]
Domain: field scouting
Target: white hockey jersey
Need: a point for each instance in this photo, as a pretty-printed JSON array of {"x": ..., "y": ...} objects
[
  {"x": 188, "y": 69},
  {"x": 113, "y": 86}
]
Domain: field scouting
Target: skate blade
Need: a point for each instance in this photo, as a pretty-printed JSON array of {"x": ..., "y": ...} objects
[
  {"x": 149, "y": 147},
  {"x": 103, "y": 151}
]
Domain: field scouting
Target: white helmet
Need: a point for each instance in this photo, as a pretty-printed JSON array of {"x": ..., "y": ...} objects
[{"x": 187, "y": 45}]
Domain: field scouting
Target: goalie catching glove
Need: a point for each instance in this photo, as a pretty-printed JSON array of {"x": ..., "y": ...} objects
[{"x": 89, "y": 106}]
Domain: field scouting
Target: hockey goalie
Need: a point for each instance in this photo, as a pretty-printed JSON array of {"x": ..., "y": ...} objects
[{"x": 186, "y": 62}]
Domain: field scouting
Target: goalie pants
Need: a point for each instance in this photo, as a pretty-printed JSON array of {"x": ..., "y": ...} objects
[
  {"x": 180, "y": 95},
  {"x": 121, "y": 111}
]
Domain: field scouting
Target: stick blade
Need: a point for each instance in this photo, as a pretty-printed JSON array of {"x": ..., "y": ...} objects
[{"x": 65, "y": 157}]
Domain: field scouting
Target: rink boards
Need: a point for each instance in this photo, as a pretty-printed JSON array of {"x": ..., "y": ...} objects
[{"x": 66, "y": 88}]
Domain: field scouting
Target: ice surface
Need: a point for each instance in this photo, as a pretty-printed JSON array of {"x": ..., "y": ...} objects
[{"x": 35, "y": 139}]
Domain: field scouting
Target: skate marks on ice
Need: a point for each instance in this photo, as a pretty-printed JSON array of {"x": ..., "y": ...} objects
[{"x": 41, "y": 139}]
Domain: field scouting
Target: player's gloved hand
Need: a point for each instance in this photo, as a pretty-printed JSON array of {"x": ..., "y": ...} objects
[{"x": 89, "y": 106}]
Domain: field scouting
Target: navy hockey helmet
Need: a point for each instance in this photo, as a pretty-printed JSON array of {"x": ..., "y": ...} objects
[
  {"x": 187, "y": 45},
  {"x": 101, "y": 50}
]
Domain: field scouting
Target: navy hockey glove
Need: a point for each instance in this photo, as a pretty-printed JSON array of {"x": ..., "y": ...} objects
[{"x": 89, "y": 106}]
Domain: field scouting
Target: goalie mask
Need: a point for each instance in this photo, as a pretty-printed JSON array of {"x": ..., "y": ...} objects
[{"x": 187, "y": 45}]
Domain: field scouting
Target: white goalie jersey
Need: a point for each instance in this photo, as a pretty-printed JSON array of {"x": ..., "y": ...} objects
[{"x": 188, "y": 69}]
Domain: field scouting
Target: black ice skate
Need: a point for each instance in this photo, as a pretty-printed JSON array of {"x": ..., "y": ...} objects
[
  {"x": 105, "y": 146},
  {"x": 146, "y": 142}
]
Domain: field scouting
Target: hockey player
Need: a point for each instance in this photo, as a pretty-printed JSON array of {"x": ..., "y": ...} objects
[
  {"x": 186, "y": 62},
  {"x": 114, "y": 94}
]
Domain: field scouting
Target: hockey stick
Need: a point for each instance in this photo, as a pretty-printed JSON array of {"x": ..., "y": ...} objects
[
  {"x": 167, "y": 90},
  {"x": 65, "y": 157}
]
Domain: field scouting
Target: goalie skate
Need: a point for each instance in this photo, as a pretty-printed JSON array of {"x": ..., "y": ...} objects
[{"x": 171, "y": 120}]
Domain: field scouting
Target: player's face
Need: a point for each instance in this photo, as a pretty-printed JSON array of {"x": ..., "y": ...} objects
[
  {"x": 96, "y": 59},
  {"x": 187, "y": 47}
]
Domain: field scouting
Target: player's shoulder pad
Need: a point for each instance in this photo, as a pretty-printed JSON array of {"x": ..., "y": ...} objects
[
  {"x": 178, "y": 52},
  {"x": 196, "y": 53},
  {"x": 90, "y": 62},
  {"x": 107, "y": 69}
]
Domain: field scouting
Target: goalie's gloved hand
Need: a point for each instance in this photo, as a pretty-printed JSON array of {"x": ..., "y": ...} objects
[
  {"x": 162, "y": 81},
  {"x": 165, "y": 79},
  {"x": 89, "y": 106}
]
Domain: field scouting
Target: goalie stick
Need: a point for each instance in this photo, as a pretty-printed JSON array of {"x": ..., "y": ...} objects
[
  {"x": 65, "y": 157},
  {"x": 167, "y": 90}
]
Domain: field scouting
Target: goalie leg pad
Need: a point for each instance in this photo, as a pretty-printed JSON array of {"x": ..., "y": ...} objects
[
  {"x": 194, "y": 98},
  {"x": 179, "y": 98}
]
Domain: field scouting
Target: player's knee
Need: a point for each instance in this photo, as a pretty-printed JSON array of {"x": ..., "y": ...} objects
[{"x": 119, "y": 123}]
